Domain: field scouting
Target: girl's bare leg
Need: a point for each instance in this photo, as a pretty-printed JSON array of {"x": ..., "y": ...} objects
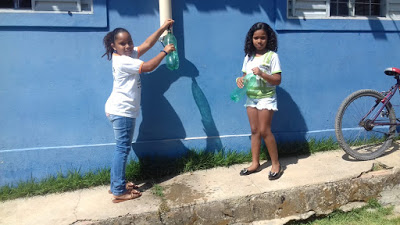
[
  {"x": 252, "y": 113},
  {"x": 265, "y": 119}
]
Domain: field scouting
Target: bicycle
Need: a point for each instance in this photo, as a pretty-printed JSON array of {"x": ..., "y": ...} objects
[{"x": 365, "y": 123}]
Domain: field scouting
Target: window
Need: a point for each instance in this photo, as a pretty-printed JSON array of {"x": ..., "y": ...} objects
[
  {"x": 344, "y": 8},
  {"x": 46, "y": 5},
  {"x": 339, "y": 7},
  {"x": 54, "y": 13},
  {"x": 10, "y": 4}
]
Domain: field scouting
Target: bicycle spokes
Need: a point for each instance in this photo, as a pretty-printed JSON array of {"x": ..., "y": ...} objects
[{"x": 364, "y": 125}]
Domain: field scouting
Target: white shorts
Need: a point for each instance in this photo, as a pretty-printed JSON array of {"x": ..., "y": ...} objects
[{"x": 263, "y": 103}]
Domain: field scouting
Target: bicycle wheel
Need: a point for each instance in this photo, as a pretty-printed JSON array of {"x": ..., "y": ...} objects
[{"x": 358, "y": 136}]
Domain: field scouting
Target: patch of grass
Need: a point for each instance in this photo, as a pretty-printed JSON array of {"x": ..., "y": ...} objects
[
  {"x": 200, "y": 160},
  {"x": 322, "y": 145},
  {"x": 366, "y": 141},
  {"x": 73, "y": 180},
  {"x": 154, "y": 168},
  {"x": 157, "y": 190},
  {"x": 371, "y": 214},
  {"x": 311, "y": 146}
]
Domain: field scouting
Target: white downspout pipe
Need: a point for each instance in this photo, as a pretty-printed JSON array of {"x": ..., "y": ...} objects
[{"x": 165, "y": 13}]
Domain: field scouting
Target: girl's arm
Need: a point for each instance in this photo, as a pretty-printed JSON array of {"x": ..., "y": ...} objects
[
  {"x": 239, "y": 81},
  {"x": 152, "y": 39},
  {"x": 274, "y": 79},
  {"x": 154, "y": 62}
]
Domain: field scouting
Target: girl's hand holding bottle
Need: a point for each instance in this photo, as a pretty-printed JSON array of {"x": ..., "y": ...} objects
[
  {"x": 168, "y": 24},
  {"x": 243, "y": 83},
  {"x": 239, "y": 82},
  {"x": 169, "y": 48}
]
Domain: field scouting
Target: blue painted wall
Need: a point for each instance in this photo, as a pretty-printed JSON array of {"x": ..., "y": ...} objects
[{"x": 54, "y": 83}]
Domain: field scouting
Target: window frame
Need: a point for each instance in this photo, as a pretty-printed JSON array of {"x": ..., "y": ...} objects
[
  {"x": 33, "y": 7},
  {"x": 384, "y": 11},
  {"x": 96, "y": 18},
  {"x": 285, "y": 22}
]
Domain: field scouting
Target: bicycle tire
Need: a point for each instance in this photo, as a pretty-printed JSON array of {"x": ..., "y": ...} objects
[{"x": 364, "y": 142}]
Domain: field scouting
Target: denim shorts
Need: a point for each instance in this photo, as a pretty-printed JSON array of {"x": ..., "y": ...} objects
[{"x": 262, "y": 103}]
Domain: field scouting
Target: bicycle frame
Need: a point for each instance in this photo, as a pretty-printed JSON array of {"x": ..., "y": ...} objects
[
  {"x": 368, "y": 137},
  {"x": 388, "y": 96}
]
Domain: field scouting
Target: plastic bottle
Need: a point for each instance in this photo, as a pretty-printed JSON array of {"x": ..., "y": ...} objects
[
  {"x": 249, "y": 81},
  {"x": 172, "y": 58}
]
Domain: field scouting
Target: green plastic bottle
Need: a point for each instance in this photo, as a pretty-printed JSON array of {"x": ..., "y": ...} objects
[
  {"x": 172, "y": 58},
  {"x": 249, "y": 81}
]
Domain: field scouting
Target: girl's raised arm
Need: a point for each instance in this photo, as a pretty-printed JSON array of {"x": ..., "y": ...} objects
[
  {"x": 154, "y": 62},
  {"x": 152, "y": 39}
]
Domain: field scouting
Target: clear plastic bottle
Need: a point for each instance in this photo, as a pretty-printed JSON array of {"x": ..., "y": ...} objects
[
  {"x": 172, "y": 59},
  {"x": 249, "y": 81}
]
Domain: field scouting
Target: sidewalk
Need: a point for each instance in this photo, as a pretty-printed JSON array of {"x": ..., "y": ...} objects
[{"x": 310, "y": 184}]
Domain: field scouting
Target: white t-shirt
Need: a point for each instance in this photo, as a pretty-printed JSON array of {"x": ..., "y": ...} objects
[
  {"x": 125, "y": 96},
  {"x": 268, "y": 63}
]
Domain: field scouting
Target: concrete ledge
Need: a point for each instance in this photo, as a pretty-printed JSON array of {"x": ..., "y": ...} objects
[
  {"x": 311, "y": 185},
  {"x": 318, "y": 198}
]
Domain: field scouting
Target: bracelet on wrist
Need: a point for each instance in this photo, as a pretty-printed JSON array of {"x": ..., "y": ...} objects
[{"x": 166, "y": 53}]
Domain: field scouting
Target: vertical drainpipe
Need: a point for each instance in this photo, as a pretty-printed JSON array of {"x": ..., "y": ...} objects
[{"x": 165, "y": 13}]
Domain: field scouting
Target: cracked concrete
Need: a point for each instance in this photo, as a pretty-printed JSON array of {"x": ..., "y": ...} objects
[{"x": 316, "y": 184}]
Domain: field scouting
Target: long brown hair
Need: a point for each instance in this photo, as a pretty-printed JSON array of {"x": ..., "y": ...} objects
[{"x": 109, "y": 39}]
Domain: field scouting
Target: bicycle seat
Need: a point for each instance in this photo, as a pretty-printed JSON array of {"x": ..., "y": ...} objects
[{"x": 392, "y": 71}]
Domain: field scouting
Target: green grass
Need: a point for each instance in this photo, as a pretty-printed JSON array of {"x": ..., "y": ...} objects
[
  {"x": 155, "y": 168},
  {"x": 371, "y": 214},
  {"x": 157, "y": 190},
  {"x": 367, "y": 141},
  {"x": 60, "y": 183}
]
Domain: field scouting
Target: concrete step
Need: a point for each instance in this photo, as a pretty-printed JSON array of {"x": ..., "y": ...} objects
[{"x": 316, "y": 184}]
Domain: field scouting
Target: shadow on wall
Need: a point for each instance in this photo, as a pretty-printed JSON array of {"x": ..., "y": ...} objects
[
  {"x": 161, "y": 130},
  {"x": 150, "y": 7},
  {"x": 376, "y": 25},
  {"x": 213, "y": 140},
  {"x": 289, "y": 126}
]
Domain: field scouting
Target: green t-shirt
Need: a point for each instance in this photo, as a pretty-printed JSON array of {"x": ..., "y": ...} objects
[{"x": 269, "y": 64}]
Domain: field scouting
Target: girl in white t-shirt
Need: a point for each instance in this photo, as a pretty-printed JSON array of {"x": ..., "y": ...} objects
[
  {"x": 261, "y": 60},
  {"x": 123, "y": 105}
]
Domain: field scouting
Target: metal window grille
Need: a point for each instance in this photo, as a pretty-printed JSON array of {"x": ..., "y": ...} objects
[
  {"x": 15, "y": 4},
  {"x": 340, "y": 8},
  {"x": 48, "y": 5},
  {"x": 343, "y": 8},
  {"x": 367, "y": 8}
]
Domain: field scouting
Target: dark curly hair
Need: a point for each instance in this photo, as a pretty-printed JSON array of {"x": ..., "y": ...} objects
[
  {"x": 272, "y": 42},
  {"x": 109, "y": 39}
]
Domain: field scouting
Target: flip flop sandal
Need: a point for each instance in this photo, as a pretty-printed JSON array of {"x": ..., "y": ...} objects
[
  {"x": 129, "y": 186},
  {"x": 129, "y": 195},
  {"x": 275, "y": 175}
]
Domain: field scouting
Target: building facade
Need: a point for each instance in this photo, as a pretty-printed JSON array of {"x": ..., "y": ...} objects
[{"x": 54, "y": 81}]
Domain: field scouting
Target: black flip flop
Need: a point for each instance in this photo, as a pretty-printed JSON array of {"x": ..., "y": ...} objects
[
  {"x": 245, "y": 172},
  {"x": 275, "y": 175}
]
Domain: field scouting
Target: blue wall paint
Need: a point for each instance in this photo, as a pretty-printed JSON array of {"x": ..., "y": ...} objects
[{"x": 54, "y": 83}]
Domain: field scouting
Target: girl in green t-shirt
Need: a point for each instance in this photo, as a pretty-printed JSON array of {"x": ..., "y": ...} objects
[{"x": 261, "y": 60}]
